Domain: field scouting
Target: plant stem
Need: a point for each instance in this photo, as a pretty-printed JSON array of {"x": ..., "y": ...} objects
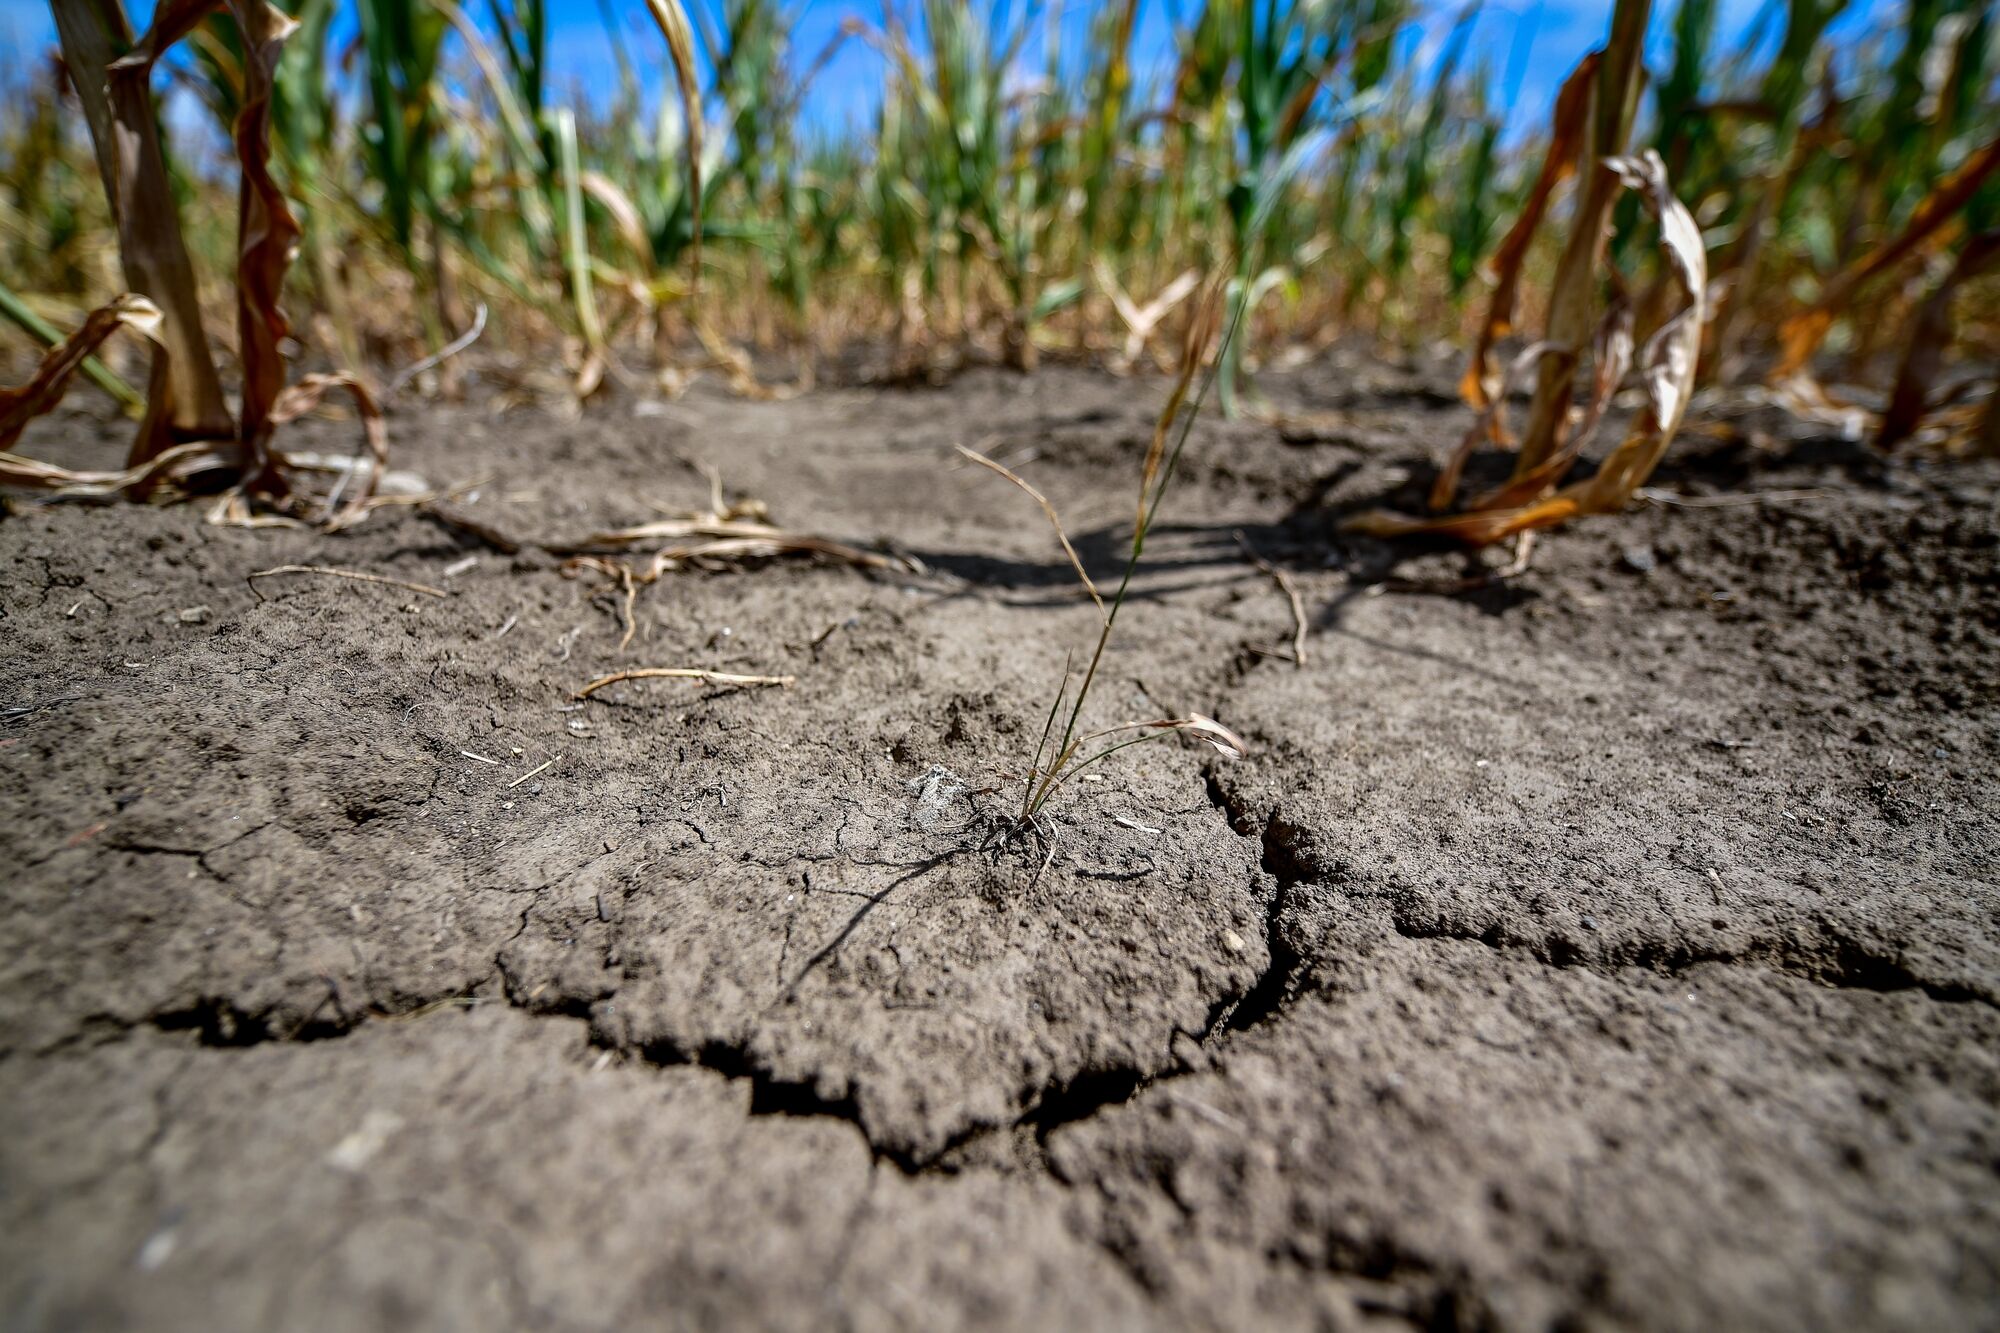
[{"x": 1067, "y": 745}]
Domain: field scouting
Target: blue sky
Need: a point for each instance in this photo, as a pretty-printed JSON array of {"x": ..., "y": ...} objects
[{"x": 1557, "y": 33}]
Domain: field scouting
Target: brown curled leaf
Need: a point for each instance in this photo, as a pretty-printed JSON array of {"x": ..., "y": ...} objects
[
  {"x": 1489, "y": 424},
  {"x": 1666, "y": 372},
  {"x": 19, "y": 406},
  {"x": 1612, "y": 350}
]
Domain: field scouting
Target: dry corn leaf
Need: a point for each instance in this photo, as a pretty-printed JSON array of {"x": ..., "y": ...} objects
[
  {"x": 21, "y": 405},
  {"x": 1612, "y": 360},
  {"x": 51, "y": 378},
  {"x": 1566, "y": 130},
  {"x": 183, "y": 460},
  {"x": 1140, "y": 321},
  {"x": 184, "y": 397},
  {"x": 1666, "y": 370},
  {"x": 1490, "y": 424},
  {"x": 625, "y": 219},
  {"x": 1803, "y": 332},
  {"x": 266, "y": 236}
]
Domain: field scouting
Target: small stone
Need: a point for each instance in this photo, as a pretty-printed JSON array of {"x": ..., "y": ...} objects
[
  {"x": 195, "y": 615},
  {"x": 1590, "y": 923},
  {"x": 1639, "y": 559},
  {"x": 1232, "y": 941}
]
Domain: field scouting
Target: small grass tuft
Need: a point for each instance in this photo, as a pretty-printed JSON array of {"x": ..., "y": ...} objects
[{"x": 1062, "y": 754}]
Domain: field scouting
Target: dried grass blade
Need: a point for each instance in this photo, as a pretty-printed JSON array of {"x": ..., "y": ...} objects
[
  {"x": 737, "y": 539},
  {"x": 680, "y": 673},
  {"x": 1199, "y": 725},
  {"x": 66, "y": 484},
  {"x": 1075, "y": 562},
  {"x": 1193, "y": 350},
  {"x": 1224, "y": 741},
  {"x": 356, "y": 575},
  {"x": 1290, "y": 588}
]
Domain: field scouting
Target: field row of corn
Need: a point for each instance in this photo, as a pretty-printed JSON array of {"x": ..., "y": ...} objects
[{"x": 1016, "y": 197}]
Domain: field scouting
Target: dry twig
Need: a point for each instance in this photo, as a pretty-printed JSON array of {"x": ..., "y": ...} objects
[
  {"x": 679, "y": 673},
  {"x": 1075, "y": 562},
  {"x": 355, "y": 574},
  {"x": 1287, "y": 586},
  {"x": 530, "y": 773}
]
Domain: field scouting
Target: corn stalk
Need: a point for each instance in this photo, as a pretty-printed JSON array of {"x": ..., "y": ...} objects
[
  {"x": 113, "y": 83},
  {"x": 1614, "y": 99}
]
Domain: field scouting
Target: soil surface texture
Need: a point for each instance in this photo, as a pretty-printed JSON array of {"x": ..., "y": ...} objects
[{"x": 1616, "y": 945}]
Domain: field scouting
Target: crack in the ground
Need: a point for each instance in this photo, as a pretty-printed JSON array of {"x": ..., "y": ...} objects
[
  {"x": 1276, "y": 986},
  {"x": 219, "y": 1021},
  {"x": 1839, "y": 962},
  {"x": 1832, "y": 958}
]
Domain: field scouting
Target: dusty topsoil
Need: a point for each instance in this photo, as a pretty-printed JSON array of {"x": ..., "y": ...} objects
[{"x": 1617, "y": 946}]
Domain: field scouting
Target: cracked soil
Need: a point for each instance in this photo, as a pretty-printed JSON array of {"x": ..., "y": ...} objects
[{"x": 1616, "y": 947}]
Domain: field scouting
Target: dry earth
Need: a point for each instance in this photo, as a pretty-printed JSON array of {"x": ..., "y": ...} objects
[{"x": 1616, "y": 947}]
